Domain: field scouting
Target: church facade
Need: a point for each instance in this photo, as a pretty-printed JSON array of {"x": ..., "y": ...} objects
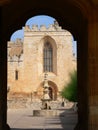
[{"x": 42, "y": 50}]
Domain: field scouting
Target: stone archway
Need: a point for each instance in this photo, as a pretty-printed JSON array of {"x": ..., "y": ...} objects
[
  {"x": 53, "y": 91},
  {"x": 79, "y": 17}
]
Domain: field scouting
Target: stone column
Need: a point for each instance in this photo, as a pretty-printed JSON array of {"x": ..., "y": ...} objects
[
  {"x": 3, "y": 86},
  {"x": 3, "y": 78},
  {"x": 82, "y": 80},
  {"x": 93, "y": 71}
]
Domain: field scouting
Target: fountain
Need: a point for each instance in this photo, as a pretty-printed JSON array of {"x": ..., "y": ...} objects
[{"x": 46, "y": 100}]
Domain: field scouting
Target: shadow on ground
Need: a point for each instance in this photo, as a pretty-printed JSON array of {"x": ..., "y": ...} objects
[{"x": 69, "y": 119}]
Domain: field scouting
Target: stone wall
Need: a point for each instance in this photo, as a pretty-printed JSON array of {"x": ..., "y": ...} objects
[{"x": 26, "y": 57}]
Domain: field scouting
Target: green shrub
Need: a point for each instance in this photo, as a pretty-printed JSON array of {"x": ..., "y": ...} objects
[{"x": 70, "y": 90}]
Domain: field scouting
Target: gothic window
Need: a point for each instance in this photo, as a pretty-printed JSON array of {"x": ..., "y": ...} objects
[
  {"x": 16, "y": 75},
  {"x": 48, "y": 57}
]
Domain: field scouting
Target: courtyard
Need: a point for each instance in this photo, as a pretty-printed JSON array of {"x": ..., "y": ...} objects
[{"x": 23, "y": 119}]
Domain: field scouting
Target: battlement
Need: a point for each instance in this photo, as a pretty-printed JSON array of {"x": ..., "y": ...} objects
[
  {"x": 17, "y": 42},
  {"x": 52, "y": 27}
]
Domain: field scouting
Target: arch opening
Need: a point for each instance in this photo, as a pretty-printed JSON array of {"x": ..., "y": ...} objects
[
  {"x": 35, "y": 40},
  {"x": 78, "y": 37}
]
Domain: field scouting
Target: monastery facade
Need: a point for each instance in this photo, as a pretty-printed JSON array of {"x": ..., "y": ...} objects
[{"x": 42, "y": 50}]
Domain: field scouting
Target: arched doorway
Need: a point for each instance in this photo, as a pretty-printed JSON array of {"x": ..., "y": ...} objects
[{"x": 53, "y": 90}]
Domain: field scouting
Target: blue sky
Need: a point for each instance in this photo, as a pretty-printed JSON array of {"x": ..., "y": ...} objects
[
  {"x": 40, "y": 20},
  {"x": 37, "y": 20}
]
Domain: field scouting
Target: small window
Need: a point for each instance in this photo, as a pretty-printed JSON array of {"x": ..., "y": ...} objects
[{"x": 16, "y": 75}]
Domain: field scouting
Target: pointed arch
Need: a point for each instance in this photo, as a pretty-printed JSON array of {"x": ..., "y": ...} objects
[{"x": 49, "y": 55}]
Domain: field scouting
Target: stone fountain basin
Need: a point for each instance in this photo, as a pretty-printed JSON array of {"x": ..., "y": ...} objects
[{"x": 48, "y": 113}]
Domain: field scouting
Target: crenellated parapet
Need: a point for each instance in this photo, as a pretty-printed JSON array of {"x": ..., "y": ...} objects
[
  {"x": 15, "y": 43},
  {"x": 52, "y": 27}
]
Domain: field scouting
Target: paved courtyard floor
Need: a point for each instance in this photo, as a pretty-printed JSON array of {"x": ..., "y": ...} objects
[{"x": 23, "y": 119}]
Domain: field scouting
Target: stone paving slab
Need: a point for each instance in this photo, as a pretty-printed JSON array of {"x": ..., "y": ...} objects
[{"x": 23, "y": 119}]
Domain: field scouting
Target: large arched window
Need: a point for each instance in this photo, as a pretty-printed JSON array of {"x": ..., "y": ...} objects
[{"x": 48, "y": 57}]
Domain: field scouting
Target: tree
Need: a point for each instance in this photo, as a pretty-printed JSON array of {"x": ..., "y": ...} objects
[{"x": 70, "y": 90}]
